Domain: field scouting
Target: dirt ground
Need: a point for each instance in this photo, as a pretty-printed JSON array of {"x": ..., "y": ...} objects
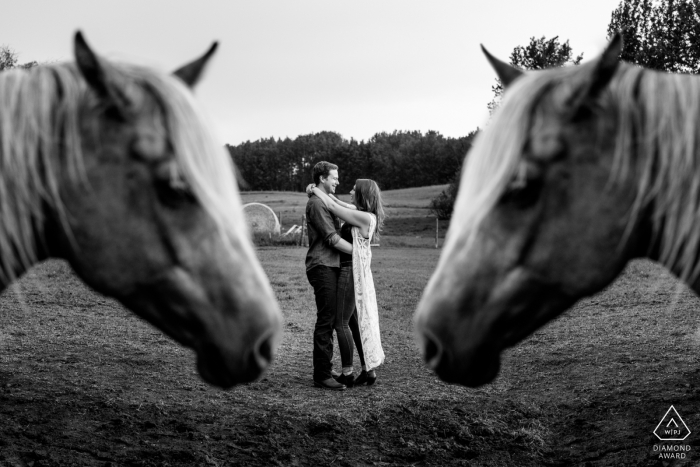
[{"x": 84, "y": 382}]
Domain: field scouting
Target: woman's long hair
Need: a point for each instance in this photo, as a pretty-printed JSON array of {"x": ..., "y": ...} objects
[{"x": 368, "y": 197}]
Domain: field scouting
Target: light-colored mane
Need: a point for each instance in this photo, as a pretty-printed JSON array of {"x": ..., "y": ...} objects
[
  {"x": 493, "y": 160},
  {"x": 39, "y": 126},
  {"x": 657, "y": 141},
  {"x": 41, "y": 147}
]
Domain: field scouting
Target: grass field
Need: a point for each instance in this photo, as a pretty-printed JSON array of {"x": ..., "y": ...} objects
[
  {"x": 84, "y": 382},
  {"x": 408, "y": 224}
]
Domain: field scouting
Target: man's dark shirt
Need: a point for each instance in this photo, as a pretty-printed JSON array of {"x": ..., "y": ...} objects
[{"x": 323, "y": 234}]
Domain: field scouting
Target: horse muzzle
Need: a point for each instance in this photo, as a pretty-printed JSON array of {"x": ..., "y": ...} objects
[
  {"x": 219, "y": 369},
  {"x": 472, "y": 369}
]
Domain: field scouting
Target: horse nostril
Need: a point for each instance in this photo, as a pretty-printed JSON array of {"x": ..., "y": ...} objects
[
  {"x": 432, "y": 352},
  {"x": 263, "y": 353}
]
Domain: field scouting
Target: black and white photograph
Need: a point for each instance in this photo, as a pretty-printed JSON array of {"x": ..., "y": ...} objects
[{"x": 371, "y": 233}]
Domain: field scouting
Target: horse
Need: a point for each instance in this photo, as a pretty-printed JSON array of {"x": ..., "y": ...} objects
[
  {"x": 580, "y": 170},
  {"x": 113, "y": 168}
]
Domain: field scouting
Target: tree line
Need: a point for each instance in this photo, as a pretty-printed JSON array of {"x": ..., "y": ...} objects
[{"x": 400, "y": 159}]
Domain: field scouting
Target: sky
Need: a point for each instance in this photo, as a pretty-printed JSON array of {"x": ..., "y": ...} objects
[{"x": 290, "y": 67}]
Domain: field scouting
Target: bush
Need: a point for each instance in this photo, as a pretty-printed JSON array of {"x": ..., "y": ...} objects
[{"x": 443, "y": 204}]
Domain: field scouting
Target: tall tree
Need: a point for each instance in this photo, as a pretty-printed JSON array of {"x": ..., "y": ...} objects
[
  {"x": 537, "y": 55},
  {"x": 659, "y": 34}
]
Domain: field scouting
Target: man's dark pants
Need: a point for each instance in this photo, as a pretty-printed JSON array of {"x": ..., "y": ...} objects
[{"x": 324, "y": 280}]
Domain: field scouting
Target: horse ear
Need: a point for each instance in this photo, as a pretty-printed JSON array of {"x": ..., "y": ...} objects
[
  {"x": 605, "y": 67},
  {"x": 97, "y": 75},
  {"x": 506, "y": 73},
  {"x": 191, "y": 72},
  {"x": 602, "y": 71}
]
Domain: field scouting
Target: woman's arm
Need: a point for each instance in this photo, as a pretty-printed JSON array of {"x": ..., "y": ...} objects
[
  {"x": 342, "y": 203},
  {"x": 354, "y": 217},
  {"x": 309, "y": 191}
]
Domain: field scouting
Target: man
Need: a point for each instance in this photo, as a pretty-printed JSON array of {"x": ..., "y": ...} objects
[{"x": 322, "y": 270}]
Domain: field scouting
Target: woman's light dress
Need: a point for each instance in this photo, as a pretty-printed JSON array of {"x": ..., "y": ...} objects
[{"x": 365, "y": 297}]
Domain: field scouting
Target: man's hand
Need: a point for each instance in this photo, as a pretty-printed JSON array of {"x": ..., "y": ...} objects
[{"x": 309, "y": 189}]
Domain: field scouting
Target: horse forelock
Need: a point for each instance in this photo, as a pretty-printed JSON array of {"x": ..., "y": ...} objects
[
  {"x": 202, "y": 160},
  {"x": 497, "y": 152}
]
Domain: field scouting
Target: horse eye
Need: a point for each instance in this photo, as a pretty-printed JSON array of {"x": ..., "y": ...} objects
[
  {"x": 171, "y": 188},
  {"x": 524, "y": 188},
  {"x": 174, "y": 195},
  {"x": 522, "y": 192}
]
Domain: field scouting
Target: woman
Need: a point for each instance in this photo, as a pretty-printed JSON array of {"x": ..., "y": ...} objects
[{"x": 357, "y": 314}]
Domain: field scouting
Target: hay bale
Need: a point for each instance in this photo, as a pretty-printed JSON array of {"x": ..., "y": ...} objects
[{"x": 261, "y": 219}]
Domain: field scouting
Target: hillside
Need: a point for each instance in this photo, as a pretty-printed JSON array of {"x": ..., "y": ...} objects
[
  {"x": 403, "y": 202},
  {"x": 407, "y": 211}
]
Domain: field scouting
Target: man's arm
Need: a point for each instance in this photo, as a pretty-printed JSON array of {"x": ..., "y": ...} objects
[
  {"x": 344, "y": 246},
  {"x": 320, "y": 218},
  {"x": 309, "y": 191}
]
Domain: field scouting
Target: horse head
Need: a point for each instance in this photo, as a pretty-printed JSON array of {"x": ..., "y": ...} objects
[
  {"x": 149, "y": 212},
  {"x": 542, "y": 219}
]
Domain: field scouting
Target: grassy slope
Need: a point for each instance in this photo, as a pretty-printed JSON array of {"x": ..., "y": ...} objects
[{"x": 405, "y": 198}]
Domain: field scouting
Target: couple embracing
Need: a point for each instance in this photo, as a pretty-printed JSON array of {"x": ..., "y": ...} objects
[{"x": 338, "y": 268}]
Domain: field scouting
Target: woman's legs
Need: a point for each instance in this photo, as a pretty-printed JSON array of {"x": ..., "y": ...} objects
[
  {"x": 368, "y": 377},
  {"x": 345, "y": 310},
  {"x": 355, "y": 329}
]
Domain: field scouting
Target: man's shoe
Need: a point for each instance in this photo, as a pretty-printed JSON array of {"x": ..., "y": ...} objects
[{"x": 329, "y": 383}]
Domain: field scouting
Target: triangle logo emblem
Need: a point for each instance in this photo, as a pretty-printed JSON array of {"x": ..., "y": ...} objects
[{"x": 672, "y": 427}]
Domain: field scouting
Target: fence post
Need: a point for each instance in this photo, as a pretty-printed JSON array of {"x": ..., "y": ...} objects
[
  {"x": 436, "y": 233},
  {"x": 280, "y": 213},
  {"x": 301, "y": 237}
]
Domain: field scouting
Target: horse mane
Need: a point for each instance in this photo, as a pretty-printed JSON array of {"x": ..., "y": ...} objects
[
  {"x": 40, "y": 146},
  {"x": 38, "y": 121},
  {"x": 657, "y": 141}
]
